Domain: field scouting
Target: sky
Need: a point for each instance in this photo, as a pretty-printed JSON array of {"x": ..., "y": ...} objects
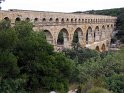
[{"x": 62, "y": 5}]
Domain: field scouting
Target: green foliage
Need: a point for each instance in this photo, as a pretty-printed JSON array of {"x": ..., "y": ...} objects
[
  {"x": 75, "y": 37},
  {"x": 116, "y": 83},
  {"x": 23, "y": 28},
  {"x": 26, "y": 54},
  {"x": 81, "y": 55},
  {"x": 98, "y": 90},
  {"x": 8, "y": 61},
  {"x": 12, "y": 86},
  {"x": 8, "y": 37},
  {"x": 98, "y": 68},
  {"x": 60, "y": 39},
  {"x": 4, "y": 25},
  {"x": 8, "y": 64}
]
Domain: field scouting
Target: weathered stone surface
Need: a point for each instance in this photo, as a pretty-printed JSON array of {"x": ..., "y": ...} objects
[{"x": 94, "y": 31}]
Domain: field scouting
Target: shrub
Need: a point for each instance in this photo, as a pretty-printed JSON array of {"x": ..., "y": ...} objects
[
  {"x": 98, "y": 90},
  {"x": 116, "y": 83}
]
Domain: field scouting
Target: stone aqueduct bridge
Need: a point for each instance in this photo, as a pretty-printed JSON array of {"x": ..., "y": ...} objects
[{"x": 94, "y": 31}]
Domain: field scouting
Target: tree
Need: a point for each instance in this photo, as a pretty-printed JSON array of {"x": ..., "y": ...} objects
[
  {"x": 116, "y": 83},
  {"x": 80, "y": 54},
  {"x": 38, "y": 62},
  {"x": 8, "y": 40},
  {"x": 98, "y": 90}
]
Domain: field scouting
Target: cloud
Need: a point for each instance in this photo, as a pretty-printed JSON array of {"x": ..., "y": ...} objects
[{"x": 62, "y": 5}]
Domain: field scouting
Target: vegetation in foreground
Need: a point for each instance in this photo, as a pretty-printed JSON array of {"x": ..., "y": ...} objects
[{"x": 28, "y": 64}]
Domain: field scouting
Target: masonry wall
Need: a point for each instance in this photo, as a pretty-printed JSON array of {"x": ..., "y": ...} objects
[{"x": 94, "y": 31}]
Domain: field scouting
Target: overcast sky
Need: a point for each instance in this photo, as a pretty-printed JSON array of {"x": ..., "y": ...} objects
[{"x": 62, "y": 5}]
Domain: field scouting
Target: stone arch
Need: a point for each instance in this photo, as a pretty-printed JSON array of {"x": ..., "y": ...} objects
[
  {"x": 91, "y": 20},
  {"x": 88, "y": 21},
  {"x": 97, "y": 48},
  {"x": 112, "y": 26},
  {"x": 103, "y": 48},
  {"x": 108, "y": 32},
  {"x": 62, "y": 20},
  {"x": 17, "y": 19},
  {"x": 82, "y": 20},
  {"x": 89, "y": 35},
  {"x": 72, "y": 20},
  {"x": 79, "y": 20},
  {"x": 7, "y": 19},
  {"x": 51, "y": 19},
  {"x": 49, "y": 36},
  {"x": 36, "y": 19},
  {"x": 57, "y": 20},
  {"x": 75, "y": 19},
  {"x": 107, "y": 26},
  {"x": 27, "y": 19},
  {"x": 63, "y": 37},
  {"x": 67, "y": 20},
  {"x": 96, "y": 21},
  {"x": 96, "y": 34},
  {"x": 44, "y": 19},
  {"x": 78, "y": 36},
  {"x": 103, "y": 33},
  {"x": 85, "y": 20}
]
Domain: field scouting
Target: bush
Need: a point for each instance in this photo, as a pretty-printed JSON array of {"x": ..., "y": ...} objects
[
  {"x": 116, "y": 83},
  {"x": 81, "y": 55},
  {"x": 12, "y": 86},
  {"x": 98, "y": 90}
]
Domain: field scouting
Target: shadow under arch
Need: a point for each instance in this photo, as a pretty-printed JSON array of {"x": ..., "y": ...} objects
[
  {"x": 89, "y": 35},
  {"x": 103, "y": 48},
  {"x": 17, "y": 19},
  {"x": 96, "y": 34},
  {"x": 63, "y": 37},
  {"x": 102, "y": 33},
  {"x": 48, "y": 36},
  {"x": 27, "y": 19},
  {"x": 78, "y": 36},
  {"x": 7, "y": 19},
  {"x": 97, "y": 48}
]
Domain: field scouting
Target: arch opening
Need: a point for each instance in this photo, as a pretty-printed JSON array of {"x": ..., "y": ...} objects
[
  {"x": 50, "y": 19},
  {"x": 103, "y": 48},
  {"x": 67, "y": 20},
  {"x": 97, "y": 48},
  {"x": 48, "y": 36},
  {"x": 103, "y": 33},
  {"x": 112, "y": 26},
  {"x": 27, "y": 19},
  {"x": 72, "y": 20},
  {"x": 36, "y": 19},
  {"x": 96, "y": 34},
  {"x": 79, "y": 20},
  {"x": 17, "y": 19},
  {"x": 62, "y": 21},
  {"x": 78, "y": 36},
  {"x": 44, "y": 19},
  {"x": 89, "y": 35},
  {"x": 57, "y": 20},
  {"x": 63, "y": 37},
  {"x": 7, "y": 19}
]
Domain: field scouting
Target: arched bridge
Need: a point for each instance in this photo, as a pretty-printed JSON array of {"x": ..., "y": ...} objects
[{"x": 92, "y": 31}]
